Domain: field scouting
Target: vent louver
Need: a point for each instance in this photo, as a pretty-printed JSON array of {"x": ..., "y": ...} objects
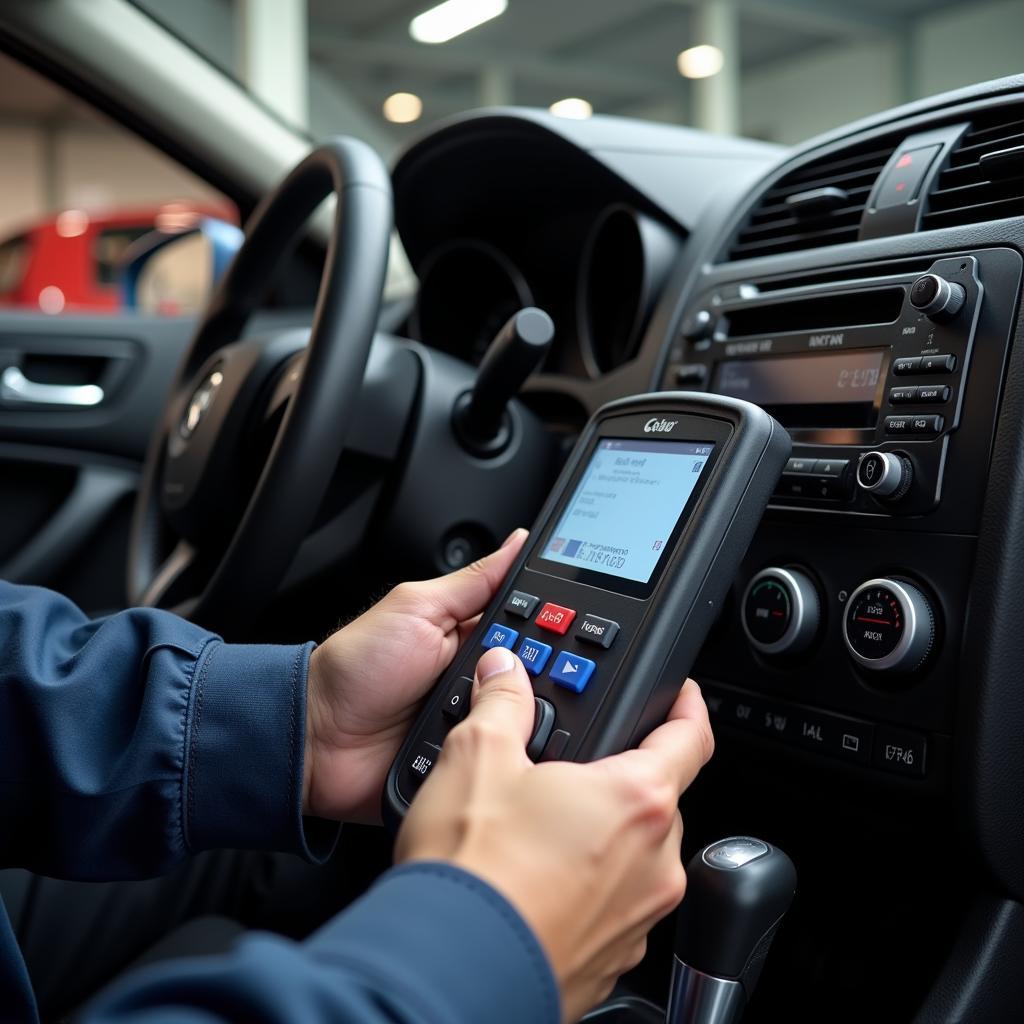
[
  {"x": 818, "y": 204},
  {"x": 982, "y": 180}
]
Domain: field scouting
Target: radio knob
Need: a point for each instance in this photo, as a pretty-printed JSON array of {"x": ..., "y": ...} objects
[
  {"x": 780, "y": 611},
  {"x": 936, "y": 297},
  {"x": 885, "y": 474},
  {"x": 889, "y": 626}
]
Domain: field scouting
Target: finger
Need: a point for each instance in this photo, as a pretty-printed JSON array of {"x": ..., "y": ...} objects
[
  {"x": 463, "y": 594},
  {"x": 685, "y": 743},
  {"x": 502, "y": 695}
]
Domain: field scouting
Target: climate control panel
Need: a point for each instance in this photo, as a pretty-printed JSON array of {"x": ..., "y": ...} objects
[
  {"x": 780, "y": 612},
  {"x": 889, "y": 626}
]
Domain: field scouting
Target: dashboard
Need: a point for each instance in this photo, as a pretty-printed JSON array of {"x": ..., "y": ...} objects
[{"x": 865, "y": 289}]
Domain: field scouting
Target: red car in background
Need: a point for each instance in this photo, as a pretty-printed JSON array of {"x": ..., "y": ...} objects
[{"x": 71, "y": 261}]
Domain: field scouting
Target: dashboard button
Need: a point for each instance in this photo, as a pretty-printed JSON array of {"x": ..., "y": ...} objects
[
  {"x": 521, "y": 604},
  {"x": 851, "y": 740},
  {"x": 456, "y": 700},
  {"x": 813, "y": 730},
  {"x": 834, "y": 468},
  {"x": 901, "y": 396},
  {"x": 534, "y": 655},
  {"x": 500, "y": 636},
  {"x": 798, "y": 465},
  {"x": 791, "y": 486},
  {"x": 691, "y": 373},
  {"x": 572, "y": 671},
  {"x": 938, "y": 364},
  {"x": 933, "y": 394},
  {"x": 906, "y": 365},
  {"x": 700, "y": 324},
  {"x": 594, "y": 630},
  {"x": 901, "y": 752},
  {"x": 925, "y": 426},
  {"x": 555, "y": 618},
  {"x": 898, "y": 425}
]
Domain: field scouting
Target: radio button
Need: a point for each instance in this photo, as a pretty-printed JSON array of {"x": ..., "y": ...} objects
[
  {"x": 555, "y": 618},
  {"x": 798, "y": 465},
  {"x": 594, "y": 630},
  {"x": 902, "y": 396},
  {"x": 933, "y": 394},
  {"x": 832, "y": 468},
  {"x": 906, "y": 365},
  {"x": 938, "y": 364}
]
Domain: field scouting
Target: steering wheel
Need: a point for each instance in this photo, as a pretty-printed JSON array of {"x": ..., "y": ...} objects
[{"x": 252, "y": 430}]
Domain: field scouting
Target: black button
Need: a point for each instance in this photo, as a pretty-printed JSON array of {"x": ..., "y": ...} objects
[
  {"x": 776, "y": 721},
  {"x": 455, "y": 705},
  {"x": 926, "y": 425},
  {"x": 898, "y": 425},
  {"x": 851, "y": 740},
  {"x": 830, "y": 467},
  {"x": 593, "y": 630},
  {"x": 900, "y": 396},
  {"x": 901, "y": 181},
  {"x": 900, "y": 752},
  {"x": 933, "y": 394},
  {"x": 691, "y": 373},
  {"x": 938, "y": 364},
  {"x": 744, "y": 713},
  {"x": 521, "y": 604},
  {"x": 812, "y": 730},
  {"x": 798, "y": 465},
  {"x": 906, "y": 365},
  {"x": 870, "y": 470},
  {"x": 826, "y": 488},
  {"x": 795, "y": 486},
  {"x": 719, "y": 703},
  {"x": 418, "y": 764},
  {"x": 543, "y": 723},
  {"x": 556, "y": 746}
]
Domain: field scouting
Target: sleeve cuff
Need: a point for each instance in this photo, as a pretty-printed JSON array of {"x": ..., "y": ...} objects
[
  {"x": 466, "y": 953},
  {"x": 244, "y": 748}
]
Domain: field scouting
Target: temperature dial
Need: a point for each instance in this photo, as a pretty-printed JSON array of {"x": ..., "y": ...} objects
[
  {"x": 780, "y": 611},
  {"x": 889, "y": 626}
]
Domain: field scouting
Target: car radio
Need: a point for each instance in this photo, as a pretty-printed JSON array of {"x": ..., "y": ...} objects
[
  {"x": 623, "y": 575},
  {"x": 867, "y": 373}
]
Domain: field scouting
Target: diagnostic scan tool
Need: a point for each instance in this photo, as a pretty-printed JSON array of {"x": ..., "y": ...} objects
[{"x": 622, "y": 577}]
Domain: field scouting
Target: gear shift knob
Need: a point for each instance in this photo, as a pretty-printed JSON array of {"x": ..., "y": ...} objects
[
  {"x": 517, "y": 350},
  {"x": 738, "y": 890}
]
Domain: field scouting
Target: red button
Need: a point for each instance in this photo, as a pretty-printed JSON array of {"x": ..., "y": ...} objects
[{"x": 555, "y": 617}]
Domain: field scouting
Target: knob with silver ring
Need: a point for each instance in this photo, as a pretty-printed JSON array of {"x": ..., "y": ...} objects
[
  {"x": 889, "y": 626},
  {"x": 780, "y": 611},
  {"x": 936, "y": 297},
  {"x": 884, "y": 474}
]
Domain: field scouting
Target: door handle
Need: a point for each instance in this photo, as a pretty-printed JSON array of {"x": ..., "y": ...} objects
[{"x": 16, "y": 387}]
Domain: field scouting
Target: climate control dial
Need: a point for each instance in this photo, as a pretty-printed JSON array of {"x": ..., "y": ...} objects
[
  {"x": 780, "y": 611},
  {"x": 889, "y": 626}
]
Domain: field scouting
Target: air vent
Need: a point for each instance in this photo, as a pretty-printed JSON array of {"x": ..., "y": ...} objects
[
  {"x": 984, "y": 179},
  {"x": 818, "y": 204}
]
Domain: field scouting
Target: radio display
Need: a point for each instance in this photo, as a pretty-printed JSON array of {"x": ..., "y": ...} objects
[
  {"x": 826, "y": 389},
  {"x": 626, "y": 506}
]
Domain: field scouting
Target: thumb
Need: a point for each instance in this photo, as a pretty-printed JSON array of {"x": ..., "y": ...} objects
[{"x": 502, "y": 695}]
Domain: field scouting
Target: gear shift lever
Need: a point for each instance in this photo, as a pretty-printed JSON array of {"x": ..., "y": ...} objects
[
  {"x": 738, "y": 890},
  {"x": 517, "y": 350}
]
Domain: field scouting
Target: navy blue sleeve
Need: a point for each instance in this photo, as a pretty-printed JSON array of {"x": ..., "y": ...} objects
[
  {"x": 428, "y": 944},
  {"x": 128, "y": 742}
]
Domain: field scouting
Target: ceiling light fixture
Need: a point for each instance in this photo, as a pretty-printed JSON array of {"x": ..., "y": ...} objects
[
  {"x": 452, "y": 18},
  {"x": 700, "y": 61},
  {"x": 403, "y": 107},
  {"x": 572, "y": 107}
]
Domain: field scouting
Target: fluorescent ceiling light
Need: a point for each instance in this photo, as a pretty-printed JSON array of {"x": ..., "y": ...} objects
[
  {"x": 452, "y": 18},
  {"x": 572, "y": 107},
  {"x": 403, "y": 107},
  {"x": 700, "y": 61}
]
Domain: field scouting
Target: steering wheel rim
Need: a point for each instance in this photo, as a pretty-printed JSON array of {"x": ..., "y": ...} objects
[{"x": 312, "y": 432}]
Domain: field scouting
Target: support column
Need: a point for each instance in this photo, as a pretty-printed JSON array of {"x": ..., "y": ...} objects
[
  {"x": 716, "y": 104},
  {"x": 274, "y": 55}
]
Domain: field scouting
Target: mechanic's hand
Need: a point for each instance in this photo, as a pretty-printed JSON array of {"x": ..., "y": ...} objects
[
  {"x": 366, "y": 682},
  {"x": 588, "y": 853}
]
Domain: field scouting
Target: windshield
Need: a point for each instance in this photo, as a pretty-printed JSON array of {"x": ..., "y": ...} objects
[{"x": 778, "y": 70}]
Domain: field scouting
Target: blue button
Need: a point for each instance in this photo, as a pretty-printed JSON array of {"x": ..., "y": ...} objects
[
  {"x": 500, "y": 636},
  {"x": 572, "y": 671},
  {"x": 534, "y": 655}
]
